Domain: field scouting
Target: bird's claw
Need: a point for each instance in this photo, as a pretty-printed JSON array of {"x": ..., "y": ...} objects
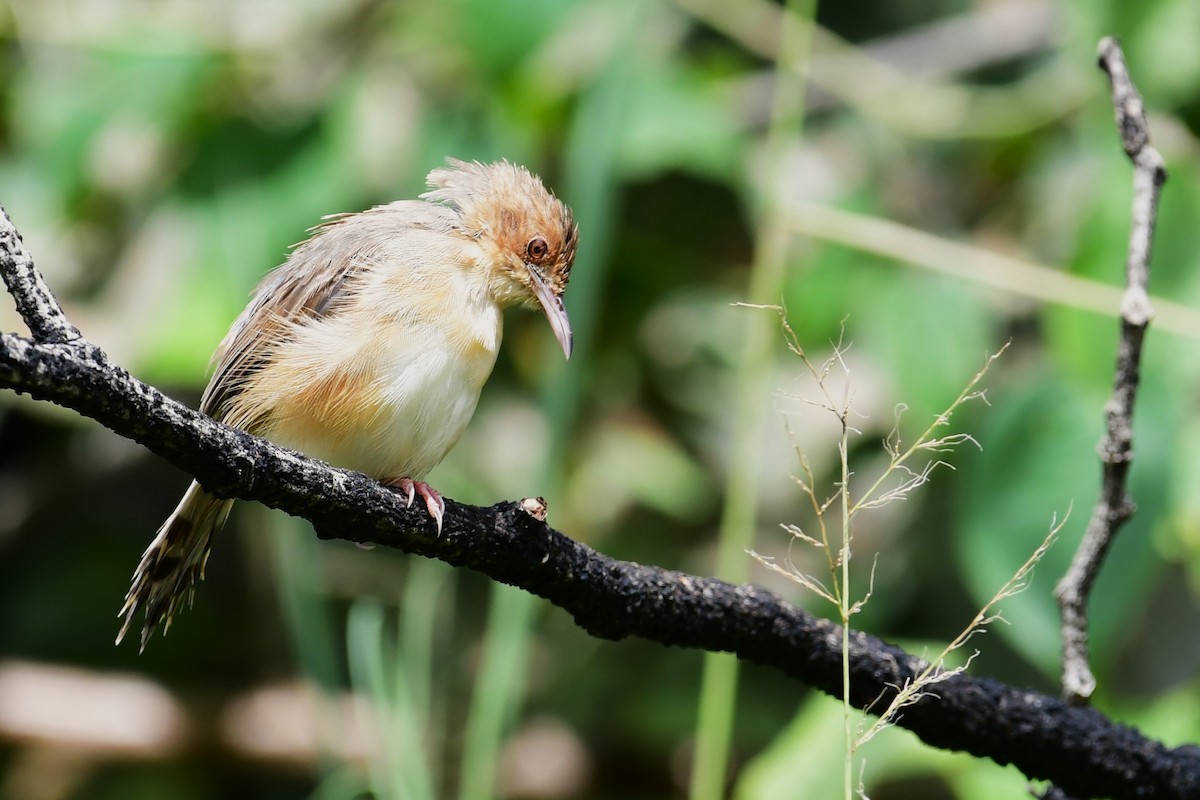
[
  {"x": 433, "y": 501},
  {"x": 408, "y": 486}
]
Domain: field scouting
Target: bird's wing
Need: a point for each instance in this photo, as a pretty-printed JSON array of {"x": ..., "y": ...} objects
[{"x": 317, "y": 275}]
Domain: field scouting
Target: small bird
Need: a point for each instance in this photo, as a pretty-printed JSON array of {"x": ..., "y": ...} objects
[{"x": 369, "y": 346}]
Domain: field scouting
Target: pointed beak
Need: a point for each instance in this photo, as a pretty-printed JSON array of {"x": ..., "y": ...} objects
[{"x": 552, "y": 304}]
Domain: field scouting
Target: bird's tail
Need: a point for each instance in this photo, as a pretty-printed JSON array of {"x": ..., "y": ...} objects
[{"x": 174, "y": 562}]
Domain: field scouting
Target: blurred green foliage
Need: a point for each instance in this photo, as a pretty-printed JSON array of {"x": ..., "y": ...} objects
[{"x": 159, "y": 158}]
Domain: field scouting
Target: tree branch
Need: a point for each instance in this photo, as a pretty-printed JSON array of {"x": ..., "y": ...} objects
[
  {"x": 1114, "y": 506},
  {"x": 1078, "y": 749},
  {"x": 35, "y": 302}
]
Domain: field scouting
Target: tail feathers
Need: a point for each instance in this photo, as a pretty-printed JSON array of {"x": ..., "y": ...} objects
[{"x": 173, "y": 562}]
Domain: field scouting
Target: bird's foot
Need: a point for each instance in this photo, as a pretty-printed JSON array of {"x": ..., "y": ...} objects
[{"x": 433, "y": 501}]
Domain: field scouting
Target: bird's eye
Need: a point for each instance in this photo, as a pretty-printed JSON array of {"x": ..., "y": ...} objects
[{"x": 537, "y": 249}]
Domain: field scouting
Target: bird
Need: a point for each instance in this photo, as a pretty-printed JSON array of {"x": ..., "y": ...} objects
[{"x": 369, "y": 346}]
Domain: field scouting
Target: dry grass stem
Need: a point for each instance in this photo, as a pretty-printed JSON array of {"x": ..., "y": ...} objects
[
  {"x": 898, "y": 480},
  {"x": 926, "y": 442},
  {"x": 935, "y": 671}
]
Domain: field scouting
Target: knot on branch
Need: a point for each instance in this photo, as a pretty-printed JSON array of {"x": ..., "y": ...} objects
[{"x": 1136, "y": 308}]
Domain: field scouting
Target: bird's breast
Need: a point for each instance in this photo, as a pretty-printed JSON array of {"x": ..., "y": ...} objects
[{"x": 386, "y": 390}]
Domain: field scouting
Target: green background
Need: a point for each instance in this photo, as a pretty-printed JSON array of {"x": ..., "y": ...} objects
[{"x": 159, "y": 158}]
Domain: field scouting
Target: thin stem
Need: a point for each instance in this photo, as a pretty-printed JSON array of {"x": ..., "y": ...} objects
[
  {"x": 844, "y": 607},
  {"x": 1114, "y": 506},
  {"x": 739, "y": 516},
  {"x": 973, "y": 265}
]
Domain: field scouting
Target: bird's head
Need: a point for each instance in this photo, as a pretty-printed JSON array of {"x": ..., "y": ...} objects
[{"x": 527, "y": 234}]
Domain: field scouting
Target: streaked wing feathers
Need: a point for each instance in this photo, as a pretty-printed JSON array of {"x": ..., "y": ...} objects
[{"x": 310, "y": 283}]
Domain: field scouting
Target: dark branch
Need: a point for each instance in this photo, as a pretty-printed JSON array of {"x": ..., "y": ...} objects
[
  {"x": 1078, "y": 749},
  {"x": 35, "y": 302},
  {"x": 1114, "y": 506}
]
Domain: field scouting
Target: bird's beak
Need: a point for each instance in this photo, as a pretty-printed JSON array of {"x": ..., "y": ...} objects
[{"x": 556, "y": 312}]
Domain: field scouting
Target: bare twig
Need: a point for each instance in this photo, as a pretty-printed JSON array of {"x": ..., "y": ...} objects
[
  {"x": 1114, "y": 506},
  {"x": 35, "y": 302}
]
